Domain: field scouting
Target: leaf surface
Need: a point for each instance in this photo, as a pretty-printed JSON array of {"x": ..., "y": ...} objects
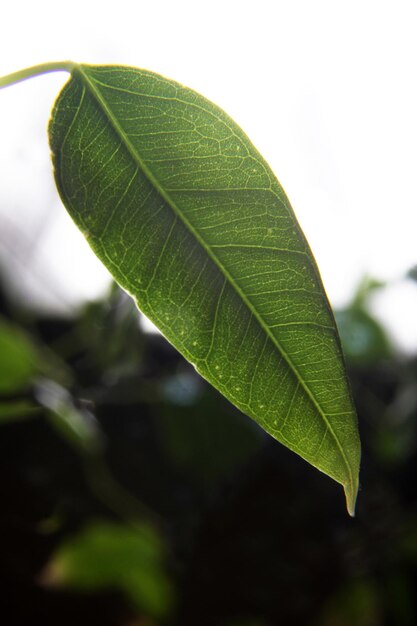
[{"x": 191, "y": 221}]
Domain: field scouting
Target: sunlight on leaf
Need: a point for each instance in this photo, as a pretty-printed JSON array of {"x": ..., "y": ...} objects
[{"x": 190, "y": 220}]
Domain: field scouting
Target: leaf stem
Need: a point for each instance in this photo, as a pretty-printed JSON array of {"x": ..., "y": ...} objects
[{"x": 36, "y": 70}]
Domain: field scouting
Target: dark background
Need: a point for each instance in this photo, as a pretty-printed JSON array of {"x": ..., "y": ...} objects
[{"x": 133, "y": 494}]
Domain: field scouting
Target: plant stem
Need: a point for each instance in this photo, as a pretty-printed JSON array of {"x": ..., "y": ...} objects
[{"x": 36, "y": 70}]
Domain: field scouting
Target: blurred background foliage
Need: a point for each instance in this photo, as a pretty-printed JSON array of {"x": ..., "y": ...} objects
[{"x": 133, "y": 494}]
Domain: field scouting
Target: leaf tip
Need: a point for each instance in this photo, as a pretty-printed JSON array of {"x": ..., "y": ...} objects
[{"x": 351, "y": 493}]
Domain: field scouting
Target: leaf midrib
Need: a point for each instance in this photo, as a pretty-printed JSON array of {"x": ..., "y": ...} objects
[{"x": 165, "y": 195}]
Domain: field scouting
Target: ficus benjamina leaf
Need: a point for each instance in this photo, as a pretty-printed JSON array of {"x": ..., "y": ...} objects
[{"x": 191, "y": 221}]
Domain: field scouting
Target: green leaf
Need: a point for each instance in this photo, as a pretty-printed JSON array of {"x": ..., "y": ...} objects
[
  {"x": 18, "y": 358},
  {"x": 76, "y": 425},
  {"x": 191, "y": 221},
  {"x": 14, "y": 410},
  {"x": 105, "y": 555},
  {"x": 23, "y": 359}
]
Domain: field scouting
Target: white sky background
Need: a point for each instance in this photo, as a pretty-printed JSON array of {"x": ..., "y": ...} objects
[{"x": 326, "y": 90}]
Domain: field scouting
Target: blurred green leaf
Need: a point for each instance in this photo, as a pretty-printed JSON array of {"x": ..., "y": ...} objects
[
  {"x": 19, "y": 360},
  {"x": 109, "y": 336},
  {"x": 412, "y": 273},
  {"x": 366, "y": 287},
  {"x": 112, "y": 556},
  {"x": 77, "y": 425},
  {"x": 363, "y": 338},
  {"x": 17, "y": 409}
]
